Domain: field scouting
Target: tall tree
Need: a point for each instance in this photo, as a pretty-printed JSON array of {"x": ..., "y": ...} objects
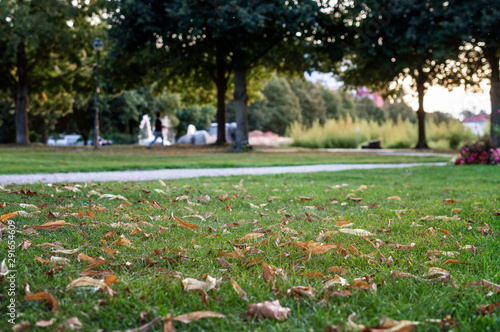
[
  {"x": 477, "y": 24},
  {"x": 40, "y": 41},
  {"x": 217, "y": 38},
  {"x": 390, "y": 40}
]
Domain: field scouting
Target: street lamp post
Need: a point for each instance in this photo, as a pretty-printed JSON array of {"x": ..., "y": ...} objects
[{"x": 98, "y": 45}]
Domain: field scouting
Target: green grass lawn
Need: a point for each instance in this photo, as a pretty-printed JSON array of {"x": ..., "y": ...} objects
[
  {"x": 269, "y": 234},
  {"x": 24, "y": 160}
]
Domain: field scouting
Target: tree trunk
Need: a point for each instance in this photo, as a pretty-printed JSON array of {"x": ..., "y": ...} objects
[
  {"x": 240, "y": 105},
  {"x": 493, "y": 60},
  {"x": 85, "y": 137},
  {"x": 21, "y": 96},
  {"x": 221, "y": 82},
  {"x": 422, "y": 141}
]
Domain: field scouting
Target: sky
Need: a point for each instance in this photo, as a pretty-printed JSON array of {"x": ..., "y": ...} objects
[{"x": 436, "y": 99}]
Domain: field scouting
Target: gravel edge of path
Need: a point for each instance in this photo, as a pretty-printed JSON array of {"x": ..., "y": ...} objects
[{"x": 145, "y": 175}]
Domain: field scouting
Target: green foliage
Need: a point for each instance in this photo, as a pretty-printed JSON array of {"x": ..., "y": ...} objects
[
  {"x": 277, "y": 110},
  {"x": 342, "y": 133},
  {"x": 368, "y": 110},
  {"x": 199, "y": 116},
  {"x": 311, "y": 101}
]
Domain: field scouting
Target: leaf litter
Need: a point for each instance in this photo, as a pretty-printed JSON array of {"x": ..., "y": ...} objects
[{"x": 245, "y": 246}]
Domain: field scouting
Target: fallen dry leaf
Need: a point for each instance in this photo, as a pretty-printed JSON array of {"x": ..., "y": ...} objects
[
  {"x": 268, "y": 309},
  {"x": 300, "y": 291},
  {"x": 45, "y": 323},
  {"x": 341, "y": 293},
  {"x": 185, "y": 224},
  {"x": 337, "y": 281},
  {"x": 337, "y": 270},
  {"x": 250, "y": 236},
  {"x": 487, "y": 309},
  {"x": 86, "y": 281},
  {"x": 7, "y": 216},
  {"x": 190, "y": 284},
  {"x": 357, "y": 231},
  {"x": 241, "y": 292},
  {"x": 197, "y": 315},
  {"x": 43, "y": 296},
  {"x": 397, "y": 198},
  {"x": 51, "y": 225},
  {"x": 21, "y": 326},
  {"x": 85, "y": 258}
]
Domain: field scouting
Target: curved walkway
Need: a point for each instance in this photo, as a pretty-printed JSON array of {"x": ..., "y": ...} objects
[{"x": 189, "y": 173}]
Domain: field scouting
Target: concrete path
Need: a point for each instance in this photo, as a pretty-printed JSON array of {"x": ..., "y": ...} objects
[{"x": 189, "y": 173}]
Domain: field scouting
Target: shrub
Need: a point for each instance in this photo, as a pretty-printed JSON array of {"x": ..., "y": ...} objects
[{"x": 479, "y": 152}]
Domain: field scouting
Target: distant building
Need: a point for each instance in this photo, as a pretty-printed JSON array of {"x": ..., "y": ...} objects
[
  {"x": 477, "y": 123},
  {"x": 365, "y": 92}
]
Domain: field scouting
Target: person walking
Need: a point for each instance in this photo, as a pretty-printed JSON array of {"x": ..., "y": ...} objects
[{"x": 158, "y": 131}]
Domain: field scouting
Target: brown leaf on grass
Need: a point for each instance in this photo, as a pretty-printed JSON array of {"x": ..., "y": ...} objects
[
  {"x": 51, "y": 225},
  {"x": 396, "y": 198},
  {"x": 437, "y": 272},
  {"x": 303, "y": 198},
  {"x": 337, "y": 270},
  {"x": 341, "y": 293},
  {"x": 124, "y": 242},
  {"x": 68, "y": 251},
  {"x": 86, "y": 281},
  {"x": 43, "y": 296},
  {"x": 361, "y": 284},
  {"x": 185, "y": 224},
  {"x": 41, "y": 260},
  {"x": 100, "y": 273},
  {"x": 86, "y": 258},
  {"x": 168, "y": 325},
  {"x": 7, "y": 216},
  {"x": 337, "y": 281},
  {"x": 397, "y": 274},
  {"x": 321, "y": 249},
  {"x": 266, "y": 272},
  {"x": 111, "y": 279},
  {"x": 300, "y": 291},
  {"x": 90, "y": 214},
  {"x": 241, "y": 292},
  {"x": 311, "y": 275},
  {"x": 223, "y": 263},
  {"x": 73, "y": 323},
  {"x": 109, "y": 251},
  {"x": 98, "y": 262},
  {"x": 45, "y": 323},
  {"x": 387, "y": 324},
  {"x": 253, "y": 262},
  {"x": 192, "y": 316},
  {"x": 3, "y": 205},
  {"x": 487, "y": 309},
  {"x": 25, "y": 245},
  {"x": 268, "y": 309},
  {"x": 21, "y": 326},
  {"x": 190, "y": 284},
  {"x": 486, "y": 283},
  {"x": 449, "y": 261},
  {"x": 251, "y": 236},
  {"x": 449, "y": 201},
  {"x": 344, "y": 223},
  {"x": 359, "y": 232}
]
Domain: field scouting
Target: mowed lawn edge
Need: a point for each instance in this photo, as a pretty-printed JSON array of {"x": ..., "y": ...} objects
[{"x": 116, "y": 158}]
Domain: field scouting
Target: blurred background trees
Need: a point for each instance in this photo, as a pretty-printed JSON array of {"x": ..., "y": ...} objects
[{"x": 200, "y": 62}]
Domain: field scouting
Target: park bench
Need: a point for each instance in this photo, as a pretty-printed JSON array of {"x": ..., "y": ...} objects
[{"x": 374, "y": 144}]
